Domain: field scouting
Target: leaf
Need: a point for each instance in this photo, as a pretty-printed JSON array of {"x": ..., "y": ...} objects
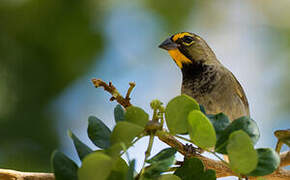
[
  {"x": 268, "y": 162},
  {"x": 119, "y": 113},
  {"x": 163, "y": 154},
  {"x": 119, "y": 171},
  {"x": 82, "y": 149},
  {"x": 160, "y": 163},
  {"x": 220, "y": 122},
  {"x": 114, "y": 150},
  {"x": 177, "y": 111},
  {"x": 99, "y": 133},
  {"x": 284, "y": 136},
  {"x": 96, "y": 166},
  {"x": 169, "y": 177},
  {"x": 209, "y": 174},
  {"x": 125, "y": 132},
  {"x": 136, "y": 116},
  {"x": 201, "y": 131},
  {"x": 243, "y": 123},
  {"x": 193, "y": 168},
  {"x": 130, "y": 173},
  {"x": 63, "y": 167},
  {"x": 242, "y": 155},
  {"x": 202, "y": 109}
]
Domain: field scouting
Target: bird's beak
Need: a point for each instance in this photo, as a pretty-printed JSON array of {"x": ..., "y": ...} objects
[{"x": 168, "y": 44}]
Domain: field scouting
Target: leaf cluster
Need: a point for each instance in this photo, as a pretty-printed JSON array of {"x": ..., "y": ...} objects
[{"x": 183, "y": 115}]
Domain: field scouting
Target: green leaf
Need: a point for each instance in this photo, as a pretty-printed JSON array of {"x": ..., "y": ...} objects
[
  {"x": 160, "y": 163},
  {"x": 268, "y": 162},
  {"x": 177, "y": 111},
  {"x": 119, "y": 171},
  {"x": 201, "y": 131},
  {"x": 119, "y": 113},
  {"x": 114, "y": 150},
  {"x": 243, "y": 123},
  {"x": 163, "y": 154},
  {"x": 202, "y": 109},
  {"x": 82, "y": 149},
  {"x": 63, "y": 167},
  {"x": 99, "y": 133},
  {"x": 169, "y": 177},
  {"x": 155, "y": 169},
  {"x": 242, "y": 155},
  {"x": 209, "y": 174},
  {"x": 220, "y": 122},
  {"x": 125, "y": 132},
  {"x": 130, "y": 173},
  {"x": 96, "y": 166},
  {"x": 136, "y": 116},
  {"x": 193, "y": 168}
]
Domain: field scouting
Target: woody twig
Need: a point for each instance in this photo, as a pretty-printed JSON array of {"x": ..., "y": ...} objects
[{"x": 221, "y": 169}]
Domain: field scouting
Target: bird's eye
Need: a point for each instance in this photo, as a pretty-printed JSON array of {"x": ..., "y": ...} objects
[{"x": 187, "y": 39}]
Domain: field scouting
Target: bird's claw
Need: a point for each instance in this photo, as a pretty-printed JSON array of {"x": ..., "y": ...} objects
[{"x": 192, "y": 151}]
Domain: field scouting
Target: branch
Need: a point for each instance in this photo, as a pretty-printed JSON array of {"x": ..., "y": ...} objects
[
  {"x": 125, "y": 102},
  {"x": 6, "y": 174},
  {"x": 285, "y": 159},
  {"x": 221, "y": 169}
]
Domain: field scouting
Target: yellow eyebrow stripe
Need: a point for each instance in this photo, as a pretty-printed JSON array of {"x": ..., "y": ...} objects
[{"x": 180, "y": 35}]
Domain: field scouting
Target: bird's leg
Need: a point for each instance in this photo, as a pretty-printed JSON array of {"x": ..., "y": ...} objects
[{"x": 192, "y": 151}]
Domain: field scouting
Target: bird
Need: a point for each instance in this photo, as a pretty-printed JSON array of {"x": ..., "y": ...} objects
[{"x": 204, "y": 78}]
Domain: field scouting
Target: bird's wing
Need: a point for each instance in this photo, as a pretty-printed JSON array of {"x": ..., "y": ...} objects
[{"x": 241, "y": 93}]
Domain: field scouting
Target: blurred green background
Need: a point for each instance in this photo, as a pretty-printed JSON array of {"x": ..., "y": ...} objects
[{"x": 50, "y": 49}]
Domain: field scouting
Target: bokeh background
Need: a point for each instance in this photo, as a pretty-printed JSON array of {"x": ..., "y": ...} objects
[{"x": 50, "y": 50}]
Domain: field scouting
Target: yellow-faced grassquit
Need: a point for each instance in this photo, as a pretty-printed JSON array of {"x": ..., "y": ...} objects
[{"x": 204, "y": 78}]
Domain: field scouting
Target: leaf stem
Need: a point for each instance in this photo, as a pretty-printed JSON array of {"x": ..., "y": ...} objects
[
  {"x": 125, "y": 151},
  {"x": 138, "y": 138},
  {"x": 161, "y": 115},
  {"x": 147, "y": 153},
  {"x": 171, "y": 169},
  {"x": 278, "y": 146}
]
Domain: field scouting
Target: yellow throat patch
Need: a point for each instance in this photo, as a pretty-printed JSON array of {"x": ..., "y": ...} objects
[{"x": 179, "y": 58}]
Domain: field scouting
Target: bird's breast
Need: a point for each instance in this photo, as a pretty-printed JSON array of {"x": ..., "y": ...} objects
[{"x": 200, "y": 81}]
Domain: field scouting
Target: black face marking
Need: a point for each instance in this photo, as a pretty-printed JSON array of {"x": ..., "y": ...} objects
[{"x": 183, "y": 49}]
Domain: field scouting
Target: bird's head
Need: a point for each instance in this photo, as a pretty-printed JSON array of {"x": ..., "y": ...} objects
[{"x": 188, "y": 48}]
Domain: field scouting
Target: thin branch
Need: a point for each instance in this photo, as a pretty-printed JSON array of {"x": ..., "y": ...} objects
[
  {"x": 285, "y": 159},
  {"x": 147, "y": 153},
  {"x": 221, "y": 169},
  {"x": 278, "y": 146},
  {"x": 132, "y": 85},
  {"x": 6, "y": 174},
  {"x": 125, "y": 102}
]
